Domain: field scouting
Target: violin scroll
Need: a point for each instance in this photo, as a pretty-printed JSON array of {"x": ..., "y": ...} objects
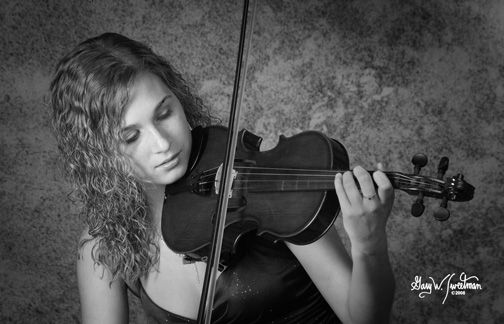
[{"x": 452, "y": 189}]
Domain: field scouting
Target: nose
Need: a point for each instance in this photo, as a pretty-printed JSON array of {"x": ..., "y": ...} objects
[{"x": 161, "y": 141}]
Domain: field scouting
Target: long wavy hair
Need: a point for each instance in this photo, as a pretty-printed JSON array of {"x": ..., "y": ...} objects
[{"x": 88, "y": 94}]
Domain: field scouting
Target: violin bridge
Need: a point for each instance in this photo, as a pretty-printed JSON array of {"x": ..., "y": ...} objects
[{"x": 218, "y": 178}]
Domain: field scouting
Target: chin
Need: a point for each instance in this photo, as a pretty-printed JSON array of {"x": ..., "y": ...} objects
[{"x": 174, "y": 176}]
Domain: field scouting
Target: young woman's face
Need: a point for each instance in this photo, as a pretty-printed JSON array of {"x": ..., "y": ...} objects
[{"x": 156, "y": 134}]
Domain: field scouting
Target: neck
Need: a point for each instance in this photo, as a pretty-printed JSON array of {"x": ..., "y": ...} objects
[{"x": 155, "y": 199}]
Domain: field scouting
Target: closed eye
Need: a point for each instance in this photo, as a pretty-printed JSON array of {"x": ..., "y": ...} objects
[
  {"x": 131, "y": 136},
  {"x": 164, "y": 113}
]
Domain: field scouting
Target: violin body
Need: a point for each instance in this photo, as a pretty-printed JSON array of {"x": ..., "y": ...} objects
[
  {"x": 258, "y": 201},
  {"x": 284, "y": 194}
]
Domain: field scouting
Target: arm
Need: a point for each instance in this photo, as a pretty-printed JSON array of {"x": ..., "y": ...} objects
[
  {"x": 101, "y": 300},
  {"x": 360, "y": 289}
]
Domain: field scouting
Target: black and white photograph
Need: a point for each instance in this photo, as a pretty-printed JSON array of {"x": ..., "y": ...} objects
[{"x": 252, "y": 161}]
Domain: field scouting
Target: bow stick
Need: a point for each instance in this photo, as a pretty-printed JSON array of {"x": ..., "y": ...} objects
[{"x": 207, "y": 295}]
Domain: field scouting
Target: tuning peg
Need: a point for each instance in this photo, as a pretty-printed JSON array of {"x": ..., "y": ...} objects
[
  {"x": 442, "y": 213},
  {"x": 443, "y": 167},
  {"x": 419, "y": 160},
  {"x": 418, "y": 206}
]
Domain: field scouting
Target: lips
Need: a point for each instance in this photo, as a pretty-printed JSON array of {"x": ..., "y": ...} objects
[{"x": 169, "y": 162}]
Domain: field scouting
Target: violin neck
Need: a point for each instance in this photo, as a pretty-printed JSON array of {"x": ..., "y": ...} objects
[{"x": 274, "y": 180}]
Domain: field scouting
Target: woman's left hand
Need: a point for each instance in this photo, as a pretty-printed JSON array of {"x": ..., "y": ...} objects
[{"x": 366, "y": 210}]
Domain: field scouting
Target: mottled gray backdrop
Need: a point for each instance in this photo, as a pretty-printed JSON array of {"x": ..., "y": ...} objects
[{"x": 388, "y": 78}]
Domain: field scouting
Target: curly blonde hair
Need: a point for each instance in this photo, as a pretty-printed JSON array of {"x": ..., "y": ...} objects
[{"x": 88, "y": 94}]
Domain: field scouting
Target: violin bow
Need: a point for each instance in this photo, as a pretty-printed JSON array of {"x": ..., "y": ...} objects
[{"x": 209, "y": 283}]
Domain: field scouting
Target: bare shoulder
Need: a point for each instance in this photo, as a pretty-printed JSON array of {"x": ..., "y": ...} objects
[
  {"x": 87, "y": 264},
  {"x": 102, "y": 300},
  {"x": 86, "y": 244}
]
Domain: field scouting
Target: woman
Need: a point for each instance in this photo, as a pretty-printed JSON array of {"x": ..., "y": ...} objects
[{"x": 123, "y": 119}]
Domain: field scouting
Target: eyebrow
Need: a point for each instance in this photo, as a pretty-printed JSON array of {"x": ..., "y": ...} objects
[{"x": 156, "y": 108}]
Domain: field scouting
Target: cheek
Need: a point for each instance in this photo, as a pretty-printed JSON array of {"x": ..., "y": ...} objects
[
  {"x": 138, "y": 159},
  {"x": 141, "y": 163}
]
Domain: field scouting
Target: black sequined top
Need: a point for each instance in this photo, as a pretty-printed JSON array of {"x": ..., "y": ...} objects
[{"x": 266, "y": 285}]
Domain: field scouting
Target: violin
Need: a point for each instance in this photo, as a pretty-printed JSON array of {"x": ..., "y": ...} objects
[{"x": 284, "y": 194}]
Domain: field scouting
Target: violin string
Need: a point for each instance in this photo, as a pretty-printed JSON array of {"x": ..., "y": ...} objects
[
  {"x": 408, "y": 179},
  {"x": 395, "y": 177},
  {"x": 400, "y": 180},
  {"x": 401, "y": 184},
  {"x": 408, "y": 184},
  {"x": 312, "y": 172}
]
